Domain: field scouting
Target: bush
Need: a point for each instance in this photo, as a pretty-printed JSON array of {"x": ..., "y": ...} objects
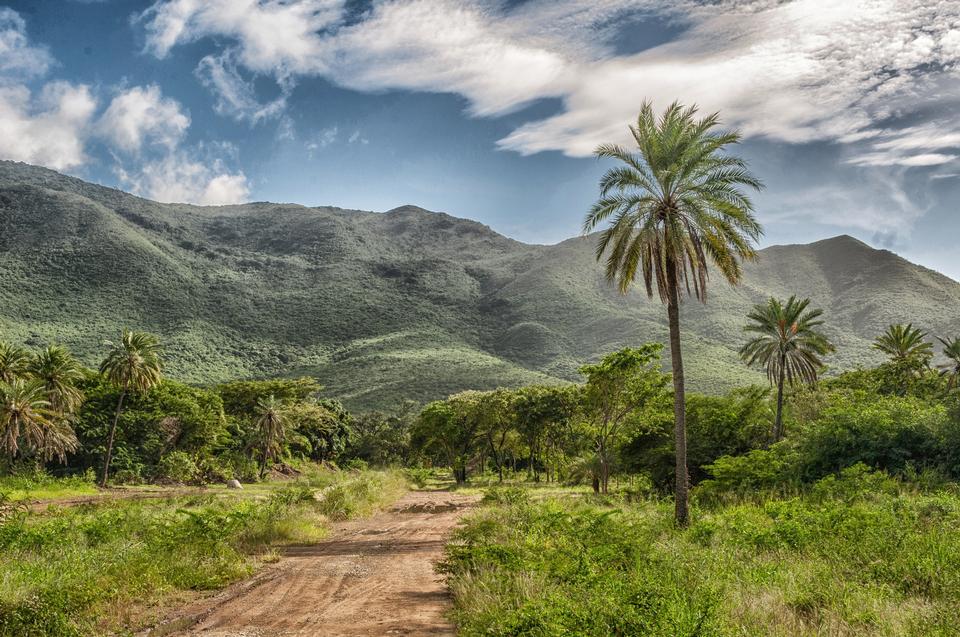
[
  {"x": 178, "y": 466},
  {"x": 506, "y": 495}
]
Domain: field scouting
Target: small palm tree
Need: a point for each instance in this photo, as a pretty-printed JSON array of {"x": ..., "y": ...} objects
[
  {"x": 676, "y": 206},
  {"x": 26, "y": 423},
  {"x": 133, "y": 364},
  {"x": 13, "y": 362},
  {"x": 59, "y": 372},
  {"x": 271, "y": 427},
  {"x": 951, "y": 369},
  {"x": 787, "y": 345},
  {"x": 905, "y": 344}
]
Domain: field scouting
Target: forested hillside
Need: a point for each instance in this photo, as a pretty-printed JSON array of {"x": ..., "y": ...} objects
[{"x": 384, "y": 306}]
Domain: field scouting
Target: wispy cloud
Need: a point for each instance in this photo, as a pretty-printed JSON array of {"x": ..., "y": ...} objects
[{"x": 792, "y": 71}]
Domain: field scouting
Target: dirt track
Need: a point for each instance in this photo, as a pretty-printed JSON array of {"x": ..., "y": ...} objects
[{"x": 373, "y": 576}]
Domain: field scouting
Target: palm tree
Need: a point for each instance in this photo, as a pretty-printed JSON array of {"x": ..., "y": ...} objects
[
  {"x": 59, "y": 372},
  {"x": 909, "y": 354},
  {"x": 905, "y": 344},
  {"x": 272, "y": 430},
  {"x": 787, "y": 345},
  {"x": 13, "y": 362},
  {"x": 677, "y": 205},
  {"x": 951, "y": 369},
  {"x": 25, "y": 422},
  {"x": 133, "y": 364}
]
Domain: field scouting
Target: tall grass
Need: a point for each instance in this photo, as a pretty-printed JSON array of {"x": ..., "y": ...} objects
[
  {"x": 72, "y": 571},
  {"x": 853, "y": 557}
]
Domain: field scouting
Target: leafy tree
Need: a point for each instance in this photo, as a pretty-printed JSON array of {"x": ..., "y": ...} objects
[
  {"x": 951, "y": 369},
  {"x": 14, "y": 362},
  {"x": 542, "y": 414},
  {"x": 451, "y": 429},
  {"x": 171, "y": 416},
  {"x": 617, "y": 389},
  {"x": 133, "y": 365},
  {"x": 271, "y": 427},
  {"x": 243, "y": 397},
  {"x": 787, "y": 344},
  {"x": 497, "y": 413},
  {"x": 60, "y": 373},
  {"x": 677, "y": 205},
  {"x": 384, "y": 438},
  {"x": 909, "y": 353},
  {"x": 26, "y": 422},
  {"x": 322, "y": 428}
]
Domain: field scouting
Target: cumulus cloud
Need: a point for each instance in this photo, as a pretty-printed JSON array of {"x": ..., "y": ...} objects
[
  {"x": 144, "y": 132},
  {"x": 142, "y": 115},
  {"x": 50, "y": 128},
  {"x": 18, "y": 59},
  {"x": 198, "y": 175}
]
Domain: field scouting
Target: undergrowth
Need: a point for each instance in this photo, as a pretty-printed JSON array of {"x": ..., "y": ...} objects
[{"x": 855, "y": 556}]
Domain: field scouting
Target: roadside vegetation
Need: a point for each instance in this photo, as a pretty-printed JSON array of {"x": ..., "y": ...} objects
[{"x": 91, "y": 569}]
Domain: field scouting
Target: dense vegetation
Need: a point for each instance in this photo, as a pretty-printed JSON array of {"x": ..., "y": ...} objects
[
  {"x": 382, "y": 308},
  {"x": 858, "y": 554}
]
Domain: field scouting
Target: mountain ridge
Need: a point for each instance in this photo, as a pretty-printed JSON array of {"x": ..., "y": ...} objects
[{"x": 383, "y": 306}]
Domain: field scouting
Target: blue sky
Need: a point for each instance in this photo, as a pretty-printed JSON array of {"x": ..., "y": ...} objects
[{"x": 490, "y": 109}]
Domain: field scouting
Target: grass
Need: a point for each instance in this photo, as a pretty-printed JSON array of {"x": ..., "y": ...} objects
[
  {"x": 91, "y": 569},
  {"x": 847, "y": 559},
  {"x": 41, "y": 486}
]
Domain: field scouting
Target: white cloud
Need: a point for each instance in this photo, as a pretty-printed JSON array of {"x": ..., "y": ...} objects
[
  {"x": 142, "y": 115},
  {"x": 183, "y": 177},
  {"x": 236, "y": 96},
  {"x": 792, "y": 71},
  {"x": 275, "y": 36},
  {"x": 143, "y": 129},
  {"x": 17, "y": 57},
  {"x": 321, "y": 140},
  {"x": 47, "y": 129}
]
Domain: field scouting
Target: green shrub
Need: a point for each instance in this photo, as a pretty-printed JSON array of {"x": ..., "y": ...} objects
[
  {"x": 506, "y": 495},
  {"x": 178, "y": 466}
]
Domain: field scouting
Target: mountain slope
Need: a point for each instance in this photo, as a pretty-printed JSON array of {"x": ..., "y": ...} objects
[{"x": 383, "y": 306}]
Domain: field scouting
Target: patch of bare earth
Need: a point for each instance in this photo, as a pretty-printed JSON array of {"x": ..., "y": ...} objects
[{"x": 373, "y": 576}]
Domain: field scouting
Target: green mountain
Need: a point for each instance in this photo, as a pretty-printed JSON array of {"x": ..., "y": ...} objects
[{"x": 385, "y": 306}]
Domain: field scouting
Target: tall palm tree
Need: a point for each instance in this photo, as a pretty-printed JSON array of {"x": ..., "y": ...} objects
[
  {"x": 676, "y": 206},
  {"x": 951, "y": 369},
  {"x": 133, "y": 364},
  {"x": 905, "y": 344},
  {"x": 59, "y": 372},
  {"x": 26, "y": 425},
  {"x": 271, "y": 427},
  {"x": 787, "y": 345},
  {"x": 13, "y": 362}
]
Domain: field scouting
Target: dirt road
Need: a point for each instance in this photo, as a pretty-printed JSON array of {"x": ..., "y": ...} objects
[{"x": 373, "y": 576}]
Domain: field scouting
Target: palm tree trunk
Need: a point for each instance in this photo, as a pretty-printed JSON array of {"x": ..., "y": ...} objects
[
  {"x": 681, "y": 512},
  {"x": 113, "y": 432},
  {"x": 778, "y": 423}
]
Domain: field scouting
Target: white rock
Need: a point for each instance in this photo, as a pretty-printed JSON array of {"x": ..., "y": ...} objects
[{"x": 234, "y": 484}]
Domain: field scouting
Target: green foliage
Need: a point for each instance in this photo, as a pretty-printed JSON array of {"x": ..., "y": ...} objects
[
  {"x": 716, "y": 426},
  {"x": 178, "y": 466},
  {"x": 383, "y": 439},
  {"x": 858, "y": 556},
  {"x": 169, "y": 417}
]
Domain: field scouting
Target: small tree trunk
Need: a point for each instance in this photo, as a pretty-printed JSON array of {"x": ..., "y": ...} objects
[
  {"x": 113, "y": 433},
  {"x": 778, "y": 423},
  {"x": 681, "y": 512}
]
